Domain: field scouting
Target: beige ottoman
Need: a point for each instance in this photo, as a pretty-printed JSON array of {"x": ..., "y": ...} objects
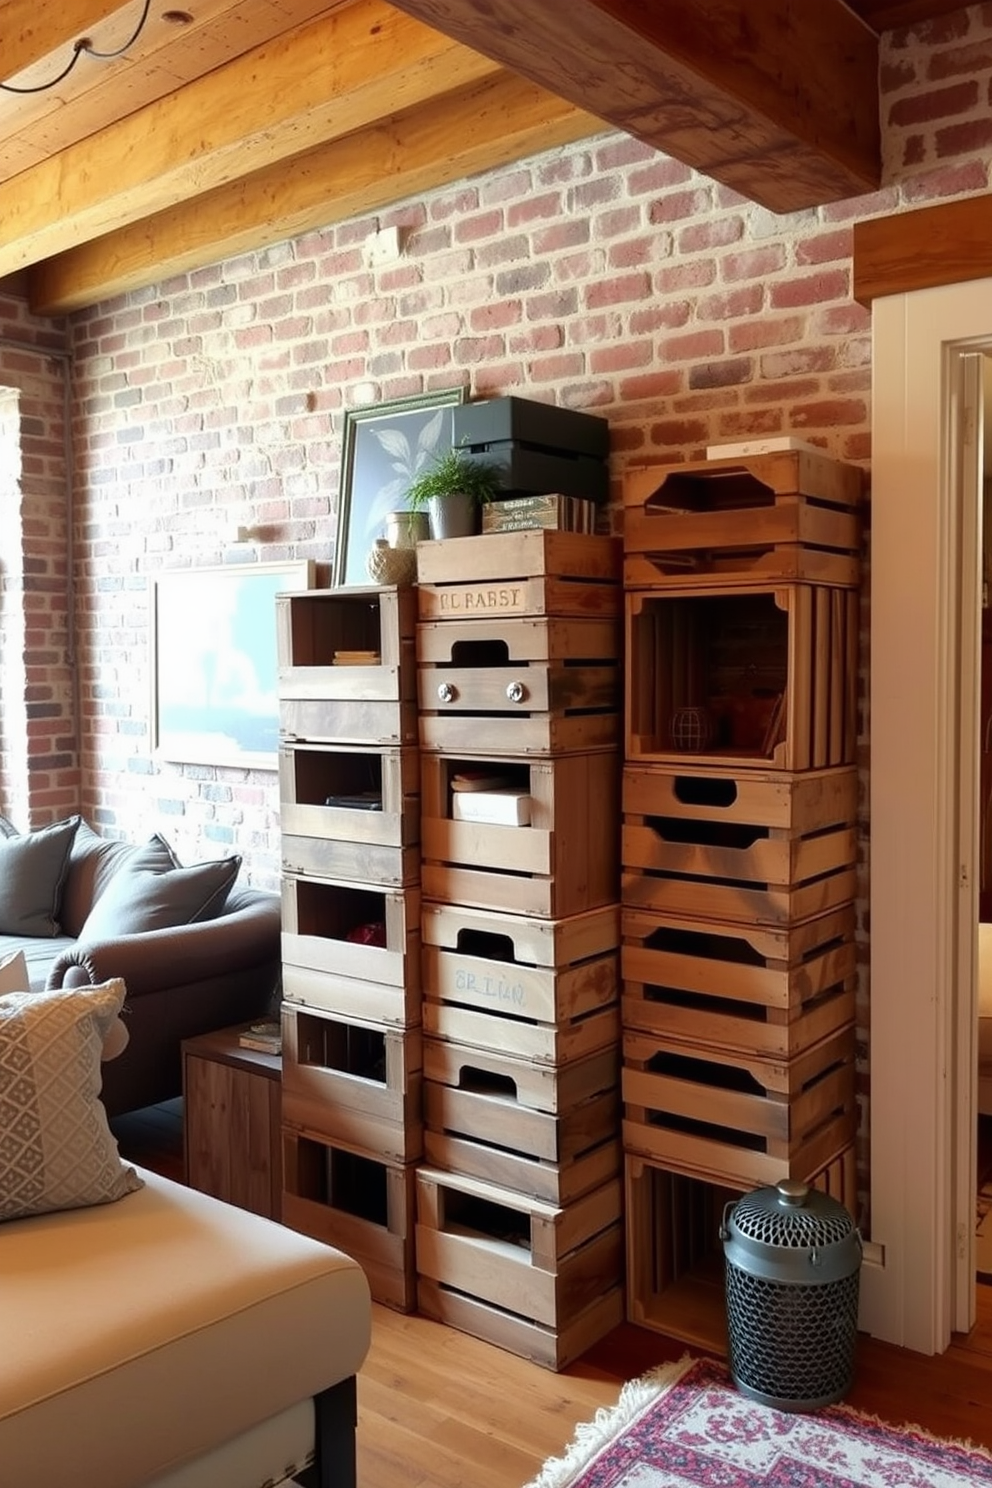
[{"x": 172, "y": 1340}]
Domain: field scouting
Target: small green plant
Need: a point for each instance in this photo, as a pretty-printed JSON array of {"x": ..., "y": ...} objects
[{"x": 451, "y": 473}]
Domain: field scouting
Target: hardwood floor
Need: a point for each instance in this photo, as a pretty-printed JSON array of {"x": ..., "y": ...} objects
[{"x": 439, "y": 1409}]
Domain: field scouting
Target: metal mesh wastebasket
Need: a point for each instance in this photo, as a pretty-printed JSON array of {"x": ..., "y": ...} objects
[{"x": 792, "y": 1266}]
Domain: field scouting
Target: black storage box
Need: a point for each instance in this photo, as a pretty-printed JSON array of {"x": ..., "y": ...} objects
[{"x": 537, "y": 447}]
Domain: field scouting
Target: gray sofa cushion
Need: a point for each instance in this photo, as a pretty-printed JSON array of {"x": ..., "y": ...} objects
[{"x": 33, "y": 868}]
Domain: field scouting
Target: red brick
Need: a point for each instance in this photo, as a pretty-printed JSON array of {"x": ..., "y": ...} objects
[
  {"x": 717, "y": 232},
  {"x": 770, "y": 330},
  {"x": 753, "y": 263},
  {"x": 663, "y": 384},
  {"x": 622, "y": 358},
  {"x": 747, "y": 300},
  {"x": 484, "y": 225},
  {"x": 721, "y": 373},
  {"x": 679, "y": 205},
  {"x": 825, "y": 247},
  {"x": 828, "y": 413},
  {"x": 693, "y": 347},
  {"x": 810, "y": 289},
  {"x": 533, "y": 209},
  {"x": 495, "y": 316},
  {"x": 619, "y": 291},
  {"x": 940, "y": 103},
  {"x": 966, "y": 61}
]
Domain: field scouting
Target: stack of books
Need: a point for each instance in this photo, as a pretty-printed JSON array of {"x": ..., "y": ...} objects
[
  {"x": 265, "y": 1037},
  {"x": 562, "y": 513},
  {"x": 356, "y": 658}
]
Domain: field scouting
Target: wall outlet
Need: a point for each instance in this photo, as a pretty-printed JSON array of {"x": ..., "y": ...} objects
[{"x": 382, "y": 247}]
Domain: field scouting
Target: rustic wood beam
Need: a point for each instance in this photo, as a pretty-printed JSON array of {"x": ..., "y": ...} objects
[
  {"x": 324, "y": 79},
  {"x": 777, "y": 100},
  {"x": 30, "y": 30},
  {"x": 479, "y": 128},
  {"x": 947, "y": 243}
]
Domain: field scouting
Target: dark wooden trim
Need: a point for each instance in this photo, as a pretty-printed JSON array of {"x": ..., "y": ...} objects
[{"x": 948, "y": 243}]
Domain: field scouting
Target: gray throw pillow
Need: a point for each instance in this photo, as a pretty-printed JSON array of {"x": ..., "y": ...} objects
[
  {"x": 94, "y": 861},
  {"x": 139, "y": 899},
  {"x": 33, "y": 867}
]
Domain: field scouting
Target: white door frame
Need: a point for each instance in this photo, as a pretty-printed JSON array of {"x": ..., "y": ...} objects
[{"x": 923, "y": 869}]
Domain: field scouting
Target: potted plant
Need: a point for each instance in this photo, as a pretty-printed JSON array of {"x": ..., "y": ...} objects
[{"x": 451, "y": 490}]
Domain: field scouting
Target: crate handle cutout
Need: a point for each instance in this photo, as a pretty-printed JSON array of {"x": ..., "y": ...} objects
[
  {"x": 698, "y": 791},
  {"x": 485, "y": 1082}
]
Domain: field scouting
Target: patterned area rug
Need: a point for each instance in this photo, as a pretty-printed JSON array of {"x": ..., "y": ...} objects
[{"x": 685, "y": 1426}]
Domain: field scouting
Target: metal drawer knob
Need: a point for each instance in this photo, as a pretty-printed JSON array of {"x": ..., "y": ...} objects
[
  {"x": 516, "y": 692},
  {"x": 447, "y": 692}
]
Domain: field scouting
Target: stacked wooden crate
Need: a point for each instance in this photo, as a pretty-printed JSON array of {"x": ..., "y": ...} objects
[
  {"x": 519, "y": 1233},
  {"x": 739, "y": 856},
  {"x": 351, "y": 1016}
]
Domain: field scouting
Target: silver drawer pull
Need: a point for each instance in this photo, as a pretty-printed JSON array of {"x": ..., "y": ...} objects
[
  {"x": 447, "y": 692},
  {"x": 516, "y": 692}
]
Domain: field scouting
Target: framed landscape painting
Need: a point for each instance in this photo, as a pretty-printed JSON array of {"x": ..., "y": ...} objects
[
  {"x": 214, "y": 665},
  {"x": 385, "y": 446}
]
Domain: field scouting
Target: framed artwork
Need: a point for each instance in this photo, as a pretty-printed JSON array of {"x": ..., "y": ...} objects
[
  {"x": 385, "y": 446},
  {"x": 214, "y": 665}
]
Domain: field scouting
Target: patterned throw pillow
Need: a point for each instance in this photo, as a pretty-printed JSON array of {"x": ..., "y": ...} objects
[{"x": 56, "y": 1147}]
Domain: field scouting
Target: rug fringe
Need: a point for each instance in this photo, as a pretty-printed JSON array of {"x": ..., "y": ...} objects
[
  {"x": 913, "y": 1428},
  {"x": 591, "y": 1436}
]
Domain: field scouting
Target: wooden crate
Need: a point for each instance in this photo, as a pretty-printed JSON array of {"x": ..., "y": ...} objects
[
  {"x": 552, "y": 1182},
  {"x": 713, "y": 1022},
  {"x": 355, "y": 1082},
  {"x": 358, "y": 1204},
  {"x": 735, "y": 1119},
  {"x": 368, "y": 799},
  {"x": 519, "y": 686},
  {"x": 780, "y": 800},
  {"x": 551, "y": 1348},
  {"x": 552, "y": 1089},
  {"x": 522, "y": 939},
  {"x": 535, "y": 572},
  {"x": 486, "y": 1116},
  {"x": 675, "y": 1268},
  {"x": 327, "y": 961},
  {"x": 373, "y": 703},
  {"x": 544, "y": 1043},
  {"x": 773, "y": 881},
  {"x": 782, "y": 966},
  {"x": 789, "y": 515},
  {"x": 772, "y": 849},
  {"x": 538, "y": 993},
  {"x": 566, "y": 862},
  {"x": 539, "y": 1262},
  {"x": 770, "y": 672}
]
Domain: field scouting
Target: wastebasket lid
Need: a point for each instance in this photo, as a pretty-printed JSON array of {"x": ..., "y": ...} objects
[{"x": 791, "y": 1215}]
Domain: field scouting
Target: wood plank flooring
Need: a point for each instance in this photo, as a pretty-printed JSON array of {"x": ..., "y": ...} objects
[{"x": 439, "y": 1409}]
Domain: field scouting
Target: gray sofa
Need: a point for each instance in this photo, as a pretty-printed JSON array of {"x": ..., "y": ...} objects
[{"x": 195, "y": 951}]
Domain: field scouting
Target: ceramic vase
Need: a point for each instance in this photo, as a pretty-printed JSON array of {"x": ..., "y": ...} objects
[{"x": 456, "y": 515}]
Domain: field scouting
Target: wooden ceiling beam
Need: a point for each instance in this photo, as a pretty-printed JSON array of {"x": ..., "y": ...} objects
[
  {"x": 777, "y": 100},
  {"x": 336, "y": 74},
  {"x": 31, "y": 30},
  {"x": 948, "y": 243},
  {"x": 481, "y": 127}
]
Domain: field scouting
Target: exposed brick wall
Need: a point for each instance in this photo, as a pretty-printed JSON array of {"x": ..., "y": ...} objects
[{"x": 39, "y": 767}]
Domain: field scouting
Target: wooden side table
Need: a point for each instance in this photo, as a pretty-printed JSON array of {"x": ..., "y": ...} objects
[{"x": 231, "y": 1121}]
